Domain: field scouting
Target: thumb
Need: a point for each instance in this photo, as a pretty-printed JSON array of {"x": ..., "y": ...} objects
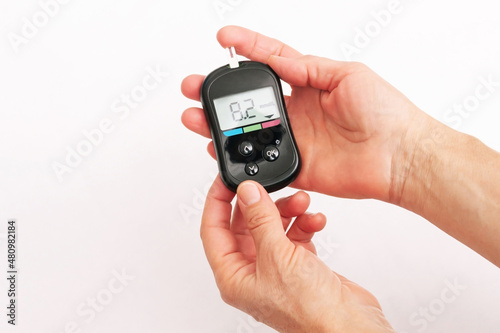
[
  {"x": 319, "y": 73},
  {"x": 261, "y": 216}
]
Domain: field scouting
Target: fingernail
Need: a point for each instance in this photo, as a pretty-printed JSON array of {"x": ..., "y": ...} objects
[{"x": 249, "y": 194}]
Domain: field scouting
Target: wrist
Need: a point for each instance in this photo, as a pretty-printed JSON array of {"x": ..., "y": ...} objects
[
  {"x": 449, "y": 178},
  {"x": 413, "y": 164}
]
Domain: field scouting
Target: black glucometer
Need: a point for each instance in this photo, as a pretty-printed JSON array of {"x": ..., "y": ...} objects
[{"x": 247, "y": 116}]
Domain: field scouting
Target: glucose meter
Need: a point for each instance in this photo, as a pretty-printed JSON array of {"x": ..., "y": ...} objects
[{"x": 246, "y": 113}]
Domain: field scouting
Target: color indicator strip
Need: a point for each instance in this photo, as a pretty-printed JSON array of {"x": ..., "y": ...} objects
[
  {"x": 252, "y": 128},
  {"x": 271, "y": 123},
  {"x": 235, "y": 131}
]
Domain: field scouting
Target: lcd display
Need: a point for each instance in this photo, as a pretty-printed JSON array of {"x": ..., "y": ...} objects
[{"x": 246, "y": 108}]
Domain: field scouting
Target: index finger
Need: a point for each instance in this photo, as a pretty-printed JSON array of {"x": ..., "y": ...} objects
[{"x": 253, "y": 45}]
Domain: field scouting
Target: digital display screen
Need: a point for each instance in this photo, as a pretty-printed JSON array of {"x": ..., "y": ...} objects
[{"x": 236, "y": 113}]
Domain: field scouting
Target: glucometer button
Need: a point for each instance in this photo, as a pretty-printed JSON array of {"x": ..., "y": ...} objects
[
  {"x": 251, "y": 169},
  {"x": 271, "y": 153},
  {"x": 246, "y": 148},
  {"x": 265, "y": 137}
]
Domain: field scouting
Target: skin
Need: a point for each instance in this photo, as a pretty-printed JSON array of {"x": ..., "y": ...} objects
[{"x": 359, "y": 137}]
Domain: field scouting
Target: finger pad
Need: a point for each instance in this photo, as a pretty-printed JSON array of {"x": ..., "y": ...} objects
[
  {"x": 191, "y": 85},
  {"x": 194, "y": 120},
  {"x": 231, "y": 35},
  {"x": 211, "y": 150}
]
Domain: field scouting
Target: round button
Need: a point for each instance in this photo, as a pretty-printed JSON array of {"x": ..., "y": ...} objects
[
  {"x": 251, "y": 169},
  {"x": 265, "y": 136},
  {"x": 246, "y": 148},
  {"x": 271, "y": 153}
]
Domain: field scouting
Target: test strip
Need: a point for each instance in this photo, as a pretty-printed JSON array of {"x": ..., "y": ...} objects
[{"x": 233, "y": 59}]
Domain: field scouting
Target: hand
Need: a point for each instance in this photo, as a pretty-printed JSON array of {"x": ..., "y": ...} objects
[
  {"x": 351, "y": 126},
  {"x": 276, "y": 276}
]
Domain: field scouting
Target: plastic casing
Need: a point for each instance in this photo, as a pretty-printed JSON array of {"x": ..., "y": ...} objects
[{"x": 274, "y": 175}]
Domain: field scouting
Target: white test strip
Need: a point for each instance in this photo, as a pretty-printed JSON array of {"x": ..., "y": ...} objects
[{"x": 233, "y": 58}]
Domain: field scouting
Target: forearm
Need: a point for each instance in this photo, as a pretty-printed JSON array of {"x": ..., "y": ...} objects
[{"x": 453, "y": 180}]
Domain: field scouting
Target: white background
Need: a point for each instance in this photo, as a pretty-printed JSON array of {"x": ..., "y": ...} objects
[{"x": 134, "y": 202}]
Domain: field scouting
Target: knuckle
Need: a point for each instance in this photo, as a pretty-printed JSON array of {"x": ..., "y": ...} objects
[
  {"x": 226, "y": 297},
  {"x": 259, "y": 218},
  {"x": 358, "y": 66},
  {"x": 227, "y": 293},
  {"x": 308, "y": 57}
]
